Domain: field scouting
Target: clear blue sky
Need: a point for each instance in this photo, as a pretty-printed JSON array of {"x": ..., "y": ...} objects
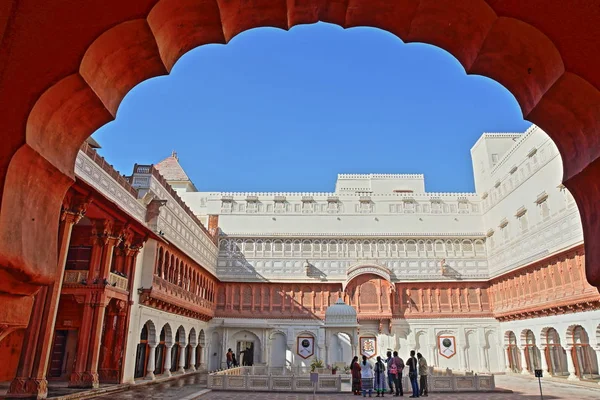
[{"x": 287, "y": 111}]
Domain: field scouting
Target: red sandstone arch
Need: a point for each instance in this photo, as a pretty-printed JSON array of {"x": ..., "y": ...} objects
[{"x": 65, "y": 75}]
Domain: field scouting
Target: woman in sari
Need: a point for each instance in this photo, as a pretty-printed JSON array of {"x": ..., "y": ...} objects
[
  {"x": 366, "y": 377},
  {"x": 355, "y": 368},
  {"x": 380, "y": 377}
]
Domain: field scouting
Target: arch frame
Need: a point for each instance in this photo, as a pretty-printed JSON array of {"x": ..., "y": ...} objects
[
  {"x": 360, "y": 269},
  {"x": 551, "y": 69}
]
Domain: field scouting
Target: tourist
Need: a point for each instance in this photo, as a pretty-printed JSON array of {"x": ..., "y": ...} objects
[
  {"x": 398, "y": 379},
  {"x": 379, "y": 377},
  {"x": 392, "y": 371},
  {"x": 355, "y": 368},
  {"x": 366, "y": 377},
  {"x": 229, "y": 358},
  {"x": 412, "y": 373},
  {"x": 234, "y": 361},
  {"x": 422, "y": 374}
]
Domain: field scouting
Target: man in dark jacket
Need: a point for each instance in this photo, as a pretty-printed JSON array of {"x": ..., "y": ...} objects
[{"x": 413, "y": 368}]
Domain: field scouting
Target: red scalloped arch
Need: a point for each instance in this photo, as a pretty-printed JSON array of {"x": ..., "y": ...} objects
[{"x": 66, "y": 65}]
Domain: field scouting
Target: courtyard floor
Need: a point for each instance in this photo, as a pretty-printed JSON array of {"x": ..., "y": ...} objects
[{"x": 523, "y": 389}]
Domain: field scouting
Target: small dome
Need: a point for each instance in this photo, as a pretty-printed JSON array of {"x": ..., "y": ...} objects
[{"x": 340, "y": 313}]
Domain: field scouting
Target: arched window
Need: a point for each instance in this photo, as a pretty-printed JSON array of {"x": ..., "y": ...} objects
[
  {"x": 586, "y": 365},
  {"x": 532, "y": 355},
  {"x": 514, "y": 355},
  {"x": 555, "y": 354}
]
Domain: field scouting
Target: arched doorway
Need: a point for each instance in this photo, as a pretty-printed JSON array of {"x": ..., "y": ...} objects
[
  {"x": 340, "y": 348},
  {"x": 514, "y": 355},
  {"x": 278, "y": 350},
  {"x": 556, "y": 355},
  {"x": 584, "y": 357},
  {"x": 247, "y": 348},
  {"x": 160, "y": 353},
  {"x": 215, "y": 352},
  {"x": 530, "y": 350},
  {"x": 200, "y": 348},
  {"x": 190, "y": 350},
  {"x": 178, "y": 351},
  {"x": 147, "y": 339}
]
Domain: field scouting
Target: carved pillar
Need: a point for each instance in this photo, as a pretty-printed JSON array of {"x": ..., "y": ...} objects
[
  {"x": 83, "y": 342},
  {"x": 151, "y": 362},
  {"x": 90, "y": 376},
  {"x": 483, "y": 365},
  {"x": 182, "y": 347},
  {"x": 433, "y": 355},
  {"x": 30, "y": 380},
  {"x": 571, "y": 364},
  {"x": 462, "y": 353},
  {"x": 526, "y": 357},
  {"x": 168, "y": 348},
  {"x": 193, "y": 358},
  {"x": 507, "y": 359},
  {"x": 466, "y": 294},
  {"x": 430, "y": 296},
  {"x": 544, "y": 360},
  {"x": 438, "y": 295}
]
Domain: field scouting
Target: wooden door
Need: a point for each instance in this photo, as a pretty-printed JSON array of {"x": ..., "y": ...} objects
[{"x": 57, "y": 356}]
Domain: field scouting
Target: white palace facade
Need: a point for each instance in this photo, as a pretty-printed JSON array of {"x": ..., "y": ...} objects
[{"x": 498, "y": 272}]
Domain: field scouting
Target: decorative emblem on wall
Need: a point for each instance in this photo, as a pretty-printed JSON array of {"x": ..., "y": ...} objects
[
  {"x": 368, "y": 346},
  {"x": 447, "y": 346},
  {"x": 305, "y": 346}
]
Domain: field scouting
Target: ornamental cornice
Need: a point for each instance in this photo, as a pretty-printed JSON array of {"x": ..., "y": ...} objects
[
  {"x": 399, "y": 235},
  {"x": 324, "y": 195}
]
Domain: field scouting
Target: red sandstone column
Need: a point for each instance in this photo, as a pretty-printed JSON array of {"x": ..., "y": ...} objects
[
  {"x": 76, "y": 379},
  {"x": 90, "y": 376},
  {"x": 30, "y": 381}
]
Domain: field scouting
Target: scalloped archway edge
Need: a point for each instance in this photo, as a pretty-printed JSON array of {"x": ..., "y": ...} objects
[
  {"x": 65, "y": 75},
  {"x": 367, "y": 269}
]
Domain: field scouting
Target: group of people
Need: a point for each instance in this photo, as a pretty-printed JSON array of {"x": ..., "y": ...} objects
[
  {"x": 247, "y": 357},
  {"x": 367, "y": 377}
]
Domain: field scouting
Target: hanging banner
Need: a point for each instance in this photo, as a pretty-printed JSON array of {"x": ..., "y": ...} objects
[
  {"x": 305, "y": 346},
  {"x": 368, "y": 346},
  {"x": 447, "y": 346}
]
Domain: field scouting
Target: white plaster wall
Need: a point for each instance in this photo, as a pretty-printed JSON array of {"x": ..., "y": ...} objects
[{"x": 531, "y": 167}]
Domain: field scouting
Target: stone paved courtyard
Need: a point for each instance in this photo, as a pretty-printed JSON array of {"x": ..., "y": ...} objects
[{"x": 523, "y": 389}]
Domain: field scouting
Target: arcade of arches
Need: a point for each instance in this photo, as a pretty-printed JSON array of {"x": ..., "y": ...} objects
[{"x": 64, "y": 77}]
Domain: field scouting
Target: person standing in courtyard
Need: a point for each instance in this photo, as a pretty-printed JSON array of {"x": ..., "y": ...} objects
[
  {"x": 229, "y": 358},
  {"x": 380, "y": 377},
  {"x": 398, "y": 379},
  {"x": 392, "y": 371},
  {"x": 366, "y": 377},
  {"x": 423, "y": 374},
  {"x": 355, "y": 368},
  {"x": 413, "y": 369}
]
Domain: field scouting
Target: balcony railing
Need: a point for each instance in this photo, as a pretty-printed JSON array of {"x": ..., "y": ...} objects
[
  {"x": 172, "y": 293},
  {"x": 118, "y": 281},
  {"x": 74, "y": 277}
]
